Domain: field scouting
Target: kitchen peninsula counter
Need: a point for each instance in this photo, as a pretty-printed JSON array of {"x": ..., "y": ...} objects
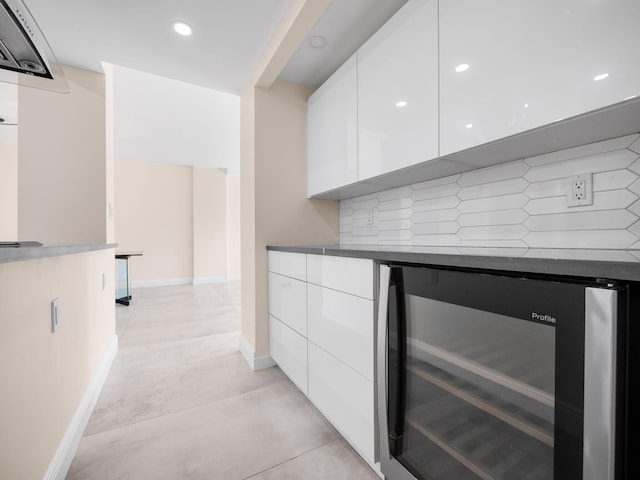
[
  {"x": 30, "y": 252},
  {"x": 604, "y": 264}
]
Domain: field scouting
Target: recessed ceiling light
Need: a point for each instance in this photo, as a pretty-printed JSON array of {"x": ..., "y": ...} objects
[
  {"x": 526, "y": 105},
  {"x": 602, "y": 76},
  {"x": 462, "y": 67},
  {"x": 182, "y": 28},
  {"x": 401, "y": 103},
  {"x": 317, "y": 41},
  {"x": 469, "y": 125}
]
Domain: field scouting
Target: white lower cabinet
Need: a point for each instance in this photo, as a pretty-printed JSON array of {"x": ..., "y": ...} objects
[
  {"x": 289, "y": 350},
  {"x": 349, "y": 275},
  {"x": 288, "y": 301},
  {"x": 345, "y": 397},
  {"x": 342, "y": 325},
  {"x": 321, "y": 335}
]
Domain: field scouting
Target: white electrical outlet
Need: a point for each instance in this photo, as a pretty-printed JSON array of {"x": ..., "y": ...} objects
[
  {"x": 580, "y": 190},
  {"x": 55, "y": 314}
]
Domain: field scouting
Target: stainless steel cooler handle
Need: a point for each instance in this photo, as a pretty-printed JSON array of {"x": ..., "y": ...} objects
[
  {"x": 383, "y": 303},
  {"x": 599, "y": 384}
]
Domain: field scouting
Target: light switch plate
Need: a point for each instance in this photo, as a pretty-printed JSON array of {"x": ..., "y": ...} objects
[{"x": 55, "y": 314}]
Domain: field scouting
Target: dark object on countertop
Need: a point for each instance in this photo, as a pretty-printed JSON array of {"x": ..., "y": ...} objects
[{"x": 19, "y": 244}]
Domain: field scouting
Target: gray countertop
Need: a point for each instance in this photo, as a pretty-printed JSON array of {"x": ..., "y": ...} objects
[
  {"x": 606, "y": 264},
  {"x": 18, "y": 254}
]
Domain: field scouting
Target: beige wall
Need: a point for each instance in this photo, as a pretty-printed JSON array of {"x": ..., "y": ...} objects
[
  {"x": 248, "y": 217},
  {"x": 233, "y": 226},
  {"x": 283, "y": 214},
  {"x": 44, "y": 375},
  {"x": 178, "y": 216},
  {"x": 61, "y": 157},
  {"x": 209, "y": 223},
  {"x": 109, "y": 154},
  {"x": 274, "y": 204},
  {"x": 8, "y": 192},
  {"x": 154, "y": 214}
]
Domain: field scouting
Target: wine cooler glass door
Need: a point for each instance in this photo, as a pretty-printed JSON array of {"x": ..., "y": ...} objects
[{"x": 476, "y": 386}]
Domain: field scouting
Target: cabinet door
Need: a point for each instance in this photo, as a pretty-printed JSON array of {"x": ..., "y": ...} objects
[
  {"x": 398, "y": 92},
  {"x": 343, "y": 325},
  {"x": 345, "y": 398},
  {"x": 331, "y": 132},
  {"x": 350, "y": 275},
  {"x": 287, "y": 263},
  {"x": 288, "y": 301},
  {"x": 531, "y": 63},
  {"x": 289, "y": 350}
]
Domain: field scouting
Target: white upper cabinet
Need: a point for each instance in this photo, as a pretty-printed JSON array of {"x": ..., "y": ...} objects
[
  {"x": 398, "y": 92},
  {"x": 531, "y": 63},
  {"x": 332, "y": 138}
]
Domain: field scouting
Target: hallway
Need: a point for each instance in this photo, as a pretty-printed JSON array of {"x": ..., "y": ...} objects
[{"x": 180, "y": 402}]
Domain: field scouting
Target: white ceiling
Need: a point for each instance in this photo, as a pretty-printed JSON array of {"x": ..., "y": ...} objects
[
  {"x": 229, "y": 36},
  {"x": 346, "y": 24},
  {"x": 228, "y": 40}
]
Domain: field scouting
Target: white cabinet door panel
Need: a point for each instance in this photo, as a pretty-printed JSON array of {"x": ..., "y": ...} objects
[
  {"x": 288, "y": 301},
  {"x": 289, "y": 350},
  {"x": 350, "y": 275},
  {"x": 398, "y": 92},
  {"x": 332, "y": 137},
  {"x": 289, "y": 264},
  {"x": 531, "y": 63},
  {"x": 342, "y": 324},
  {"x": 345, "y": 398}
]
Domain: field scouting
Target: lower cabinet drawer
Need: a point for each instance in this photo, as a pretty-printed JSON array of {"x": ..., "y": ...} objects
[
  {"x": 289, "y": 350},
  {"x": 345, "y": 397},
  {"x": 288, "y": 302},
  {"x": 342, "y": 324}
]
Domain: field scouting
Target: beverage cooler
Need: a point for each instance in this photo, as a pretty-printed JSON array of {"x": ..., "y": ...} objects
[{"x": 485, "y": 375}]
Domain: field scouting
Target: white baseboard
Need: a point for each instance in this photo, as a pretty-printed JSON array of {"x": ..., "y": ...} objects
[
  {"x": 209, "y": 280},
  {"x": 59, "y": 466},
  {"x": 249, "y": 354},
  {"x": 165, "y": 282},
  {"x": 260, "y": 363}
]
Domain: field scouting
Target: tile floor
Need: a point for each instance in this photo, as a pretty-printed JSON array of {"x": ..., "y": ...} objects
[{"x": 180, "y": 402}]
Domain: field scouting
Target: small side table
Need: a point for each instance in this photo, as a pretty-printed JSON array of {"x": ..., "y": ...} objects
[{"x": 123, "y": 277}]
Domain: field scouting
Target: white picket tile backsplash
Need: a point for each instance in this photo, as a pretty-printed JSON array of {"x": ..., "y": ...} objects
[{"x": 522, "y": 204}]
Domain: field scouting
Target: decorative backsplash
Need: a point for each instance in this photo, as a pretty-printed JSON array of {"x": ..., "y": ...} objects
[{"x": 517, "y": 204}]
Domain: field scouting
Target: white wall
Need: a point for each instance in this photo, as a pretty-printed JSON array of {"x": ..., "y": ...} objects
[{"x": 163, "y": 120}]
